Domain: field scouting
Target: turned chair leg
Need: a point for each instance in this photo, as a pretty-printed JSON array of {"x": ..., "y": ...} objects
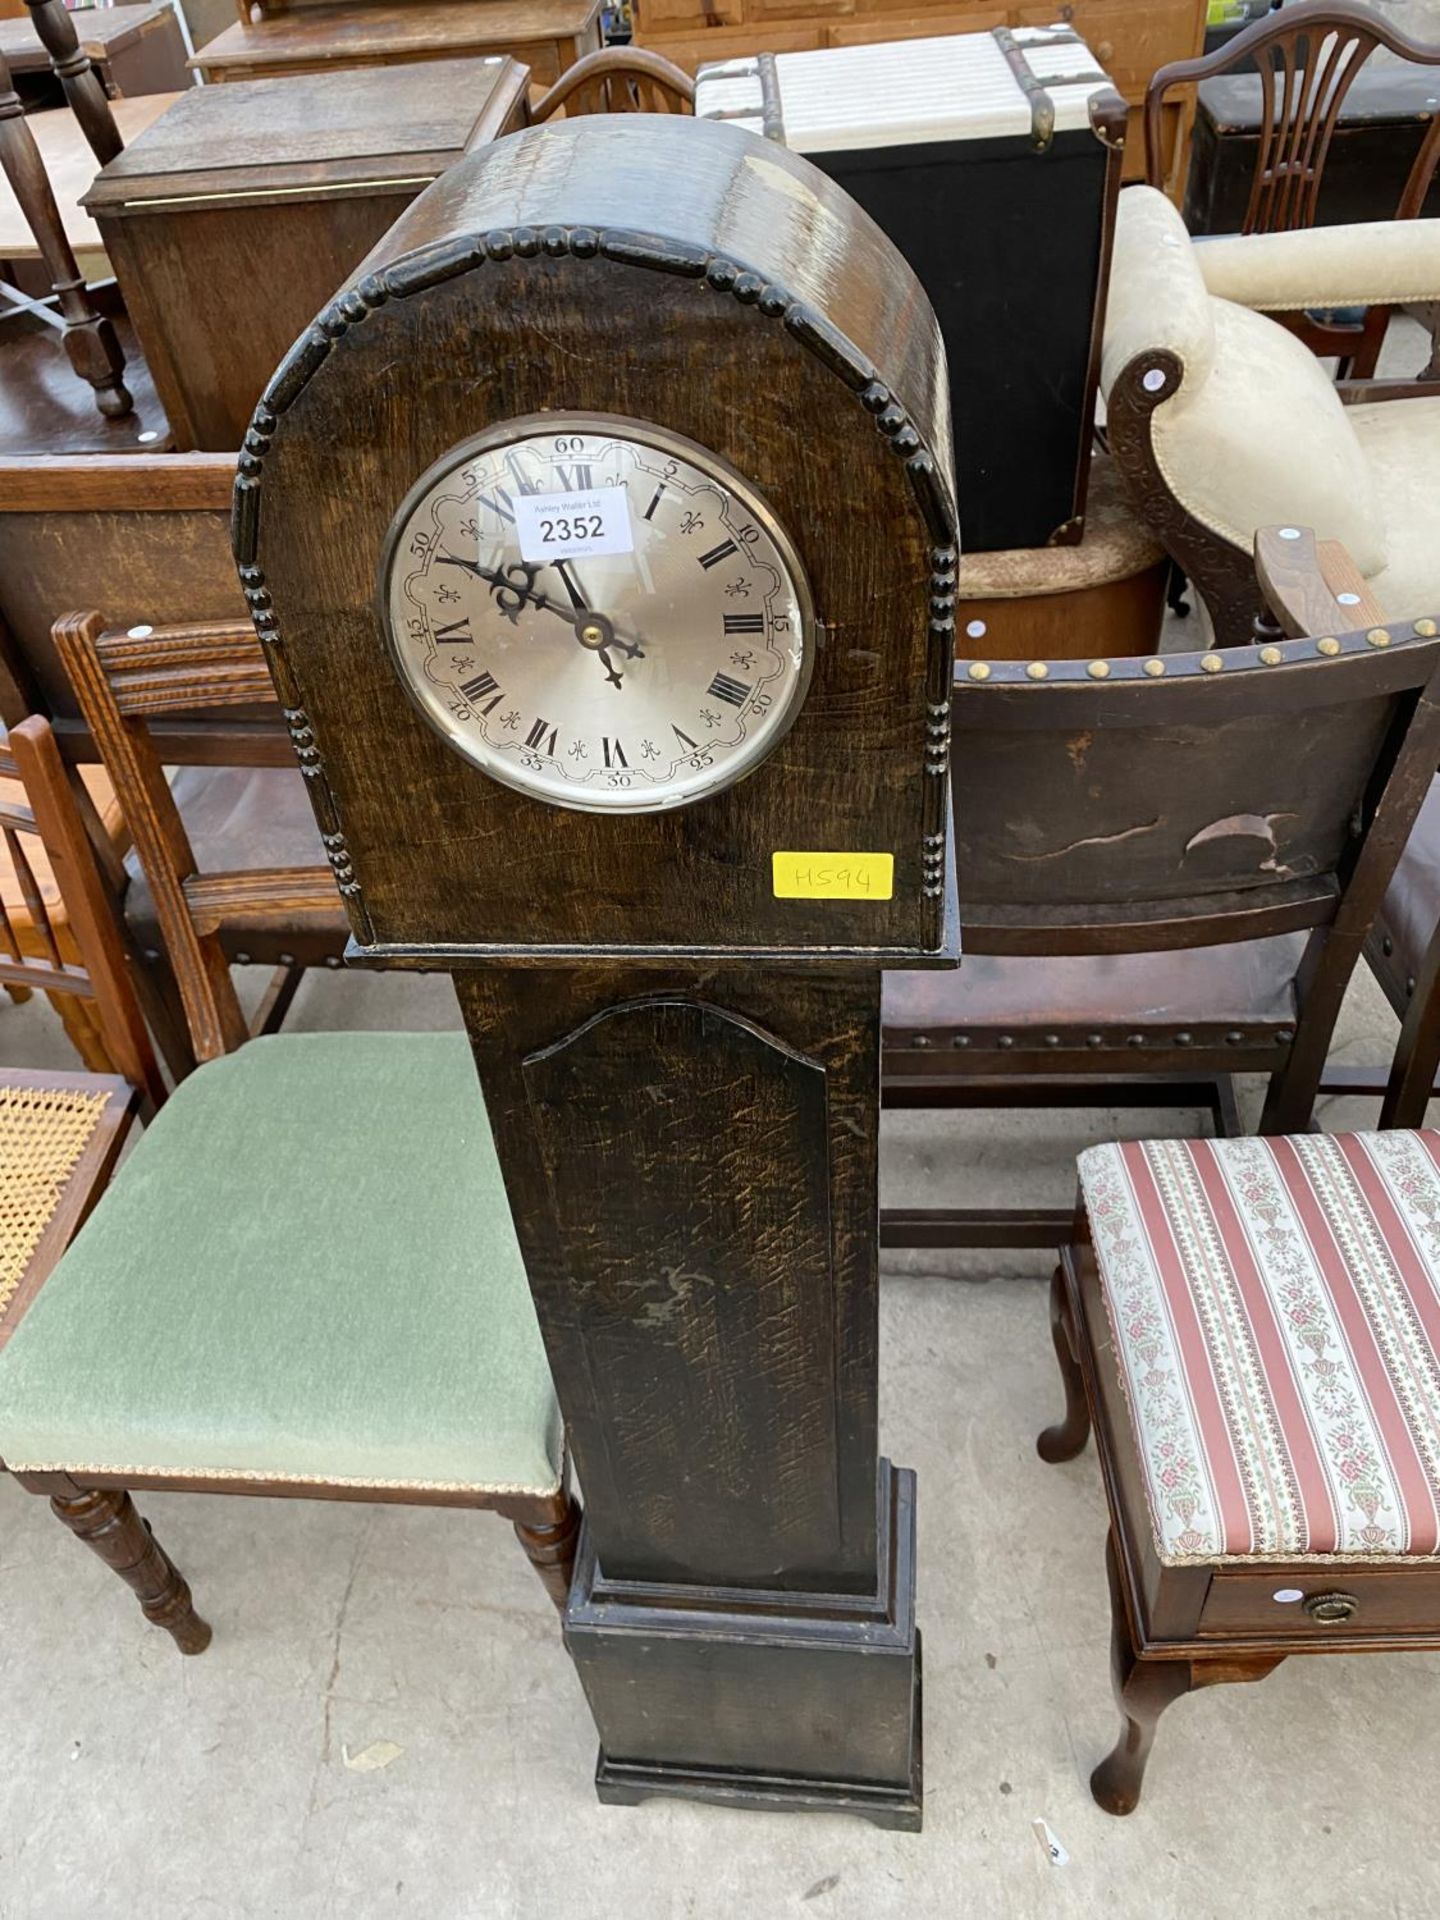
[
  {"x": 1143, "y": 1690},
  {"x": 550, "y": 1547},
  {"x": 1064, "y": 1440},
  {"x": 106, "y": 1520}
]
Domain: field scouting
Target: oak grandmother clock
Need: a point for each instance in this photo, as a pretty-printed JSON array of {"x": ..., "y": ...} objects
[{"x": 600, "y": 537}]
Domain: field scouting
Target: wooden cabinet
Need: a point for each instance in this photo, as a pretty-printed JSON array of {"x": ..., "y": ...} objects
[
  {"x": 197, "y": 211},
  {"x": 1128, "y": 38},
  {"x": 547, "y": 36},
  {"x": 134, "y": 50}
]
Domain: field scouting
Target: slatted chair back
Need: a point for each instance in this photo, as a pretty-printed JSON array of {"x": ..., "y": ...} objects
[
  {"x": 1135, "y": 806},
  {"x": 618, "y": 80},
  {"x": 128, "y": 682},
  {"x": 1308, "y": 56},
  {"x": 83, "y": 953}
]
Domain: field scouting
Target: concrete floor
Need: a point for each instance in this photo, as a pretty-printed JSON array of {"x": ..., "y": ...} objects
[{"x": 250, "y": 1782}]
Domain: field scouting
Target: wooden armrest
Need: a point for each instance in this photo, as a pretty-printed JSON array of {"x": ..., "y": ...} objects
[
  {"x": 1356, "y": 393},
  {"x": 280, "y": 893},
  {"x": 1302, "y": 580}
]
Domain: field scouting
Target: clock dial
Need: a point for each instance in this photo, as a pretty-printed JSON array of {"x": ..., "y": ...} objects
[{"x": 597, "y": 612}]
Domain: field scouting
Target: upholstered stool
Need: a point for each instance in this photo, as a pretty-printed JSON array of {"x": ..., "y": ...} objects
[
  {"x": 1105, "y": 595},
  {"x": 1254, "y": 1327}
]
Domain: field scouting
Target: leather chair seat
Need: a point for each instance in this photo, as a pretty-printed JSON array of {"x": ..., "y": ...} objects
[
  {"x": 1412, "y": 901},
  {"x": 1249, "y": 981},
  {"x": 304, "y": 1271},
  {"x": 237, "y": 818}
]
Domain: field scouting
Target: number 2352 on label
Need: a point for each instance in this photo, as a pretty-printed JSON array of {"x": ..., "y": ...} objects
[
  {"x": 833, "y": 876},
  {"x": 561, "y": 526}
]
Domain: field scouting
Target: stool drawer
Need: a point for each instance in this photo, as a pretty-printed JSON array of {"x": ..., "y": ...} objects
[{"x": 1314, "y": 1603}]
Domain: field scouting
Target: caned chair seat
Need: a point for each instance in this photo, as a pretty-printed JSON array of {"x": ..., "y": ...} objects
[
  {"x": 1275, "y": 1311},
  {"x": 44, "y": 1130},
  {"x": 305, "y": 1271}
]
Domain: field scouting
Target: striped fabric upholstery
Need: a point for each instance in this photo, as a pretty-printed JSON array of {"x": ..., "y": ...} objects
[{"x": 1275, "y": 1306}]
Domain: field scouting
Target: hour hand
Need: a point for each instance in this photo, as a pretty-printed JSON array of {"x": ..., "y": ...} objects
[{"x": 512, "y": 585}]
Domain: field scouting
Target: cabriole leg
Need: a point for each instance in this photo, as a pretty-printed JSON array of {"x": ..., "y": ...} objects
[
  {"x": 1143, "y": 1690},
  {"x": 1067, "y": 1438}
]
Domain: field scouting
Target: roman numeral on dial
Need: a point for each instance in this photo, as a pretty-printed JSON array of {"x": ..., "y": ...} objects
[
  {"x": 500, "y": 503},
  {"x": 536, "y": 737},
  {"x": 456, "y": 634},
  {"x": 614, "y": 753},
  {"x": 744, "y": 623},
  {"x": 726, "y": 687},
  {"x": 482, "y": 687},
  {"x": 717, "y": 554}
]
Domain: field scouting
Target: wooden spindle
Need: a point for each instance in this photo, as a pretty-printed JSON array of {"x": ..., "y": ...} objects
[
  {"x": 76, "y": 74},
  {"x": 89, "y": 336}
]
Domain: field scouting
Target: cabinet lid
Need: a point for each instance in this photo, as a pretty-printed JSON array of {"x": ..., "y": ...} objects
[
  {"x": 101, "y": 32},
  {"x": 324, "y": 132},
  {"x": 314, "y": 36}
]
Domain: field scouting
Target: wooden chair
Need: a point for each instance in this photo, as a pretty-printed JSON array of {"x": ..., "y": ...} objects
[
  {"x": 147, "y": 536},
  {"x": 1307, "y": 56},
  {"x": 36, "y": 917},
  {"x": 618, "y": 80},
  {"x": 58, "y": 932},
  {"x": 1253, "y": 1328},
  {"x": 303, "y": 1282},
  {"x": 88, "y": 334},
  {"x": 1167, "y": 869}
]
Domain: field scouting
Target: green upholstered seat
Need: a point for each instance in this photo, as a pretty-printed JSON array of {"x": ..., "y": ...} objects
[{"x": 305, "y": 1270}]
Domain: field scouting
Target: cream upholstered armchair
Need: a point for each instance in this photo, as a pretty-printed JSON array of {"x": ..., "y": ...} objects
[{"x": 1221, "y": 421}]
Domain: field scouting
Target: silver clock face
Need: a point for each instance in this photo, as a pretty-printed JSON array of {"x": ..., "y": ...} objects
[{"x": 597, "y": 612}]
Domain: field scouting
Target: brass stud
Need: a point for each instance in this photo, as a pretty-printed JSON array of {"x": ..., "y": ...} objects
[
  {"x": 1329, "y": 646},
  {"x": 1379, "y": 636},
  {"x": 1037, "y": 670},
  {"x": 1154, "y": 668},
  {"x": 1099, "y": 669},
  {"x": 1210, "y": 663},
  {"x": 1271, "y": 656},
  {"x": 1426, "y": 629},
  {"x": 978, "y": 670}
]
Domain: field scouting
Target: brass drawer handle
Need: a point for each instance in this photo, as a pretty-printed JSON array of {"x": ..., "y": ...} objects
[{"x": 1328, "y": 1609}]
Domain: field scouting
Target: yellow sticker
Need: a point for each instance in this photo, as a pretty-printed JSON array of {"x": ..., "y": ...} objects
[{"x": 833, "y": 876}]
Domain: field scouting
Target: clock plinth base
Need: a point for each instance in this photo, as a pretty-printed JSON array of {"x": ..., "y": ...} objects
[
  {"x": 786, "y": 1701},
  {"x": 621, "y": 1783}
]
